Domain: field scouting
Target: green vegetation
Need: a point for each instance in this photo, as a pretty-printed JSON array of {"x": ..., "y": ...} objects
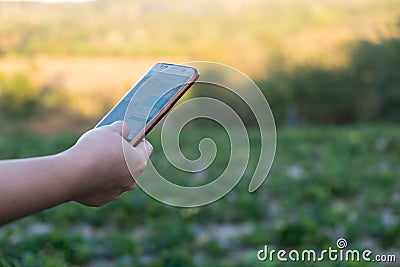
[
  {"x": 312, "y": 64},
  {"x": 366, "y": 89},
  {"x": 23, "y": 104},
  {"x": 325, "y": 184},
  {"x": 18, "y": 97}
]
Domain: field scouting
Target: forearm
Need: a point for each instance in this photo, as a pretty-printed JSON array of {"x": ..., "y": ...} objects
[
  {"x": 31, "y": 185},
  {"x": 93, "y": 172}
]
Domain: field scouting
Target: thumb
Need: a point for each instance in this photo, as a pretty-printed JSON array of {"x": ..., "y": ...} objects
[
  {"x": 146, "y": 147},
  {"x": 120, "y": 127}
]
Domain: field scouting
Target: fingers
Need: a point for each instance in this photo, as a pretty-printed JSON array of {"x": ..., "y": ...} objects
[
  {"x": 121, "y": 128},
  {"x": 146, "y": 147},
  {"x": 125, "y": 130},
  {"x": 137, "y": 158}
]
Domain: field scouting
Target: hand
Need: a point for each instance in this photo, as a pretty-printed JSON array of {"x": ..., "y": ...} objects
[{"x": 101, "y": 154}]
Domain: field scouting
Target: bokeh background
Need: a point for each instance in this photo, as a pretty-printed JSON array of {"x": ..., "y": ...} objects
[{"x": 329, "y": 69}]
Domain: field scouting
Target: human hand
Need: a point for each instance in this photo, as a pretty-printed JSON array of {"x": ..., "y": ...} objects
[{"x": 100, "y": 154}]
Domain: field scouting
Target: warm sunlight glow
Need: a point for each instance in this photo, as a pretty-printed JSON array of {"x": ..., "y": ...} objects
[{"x": 49, "y": 1}]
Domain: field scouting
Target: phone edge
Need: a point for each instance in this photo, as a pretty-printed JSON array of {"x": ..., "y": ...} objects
[{"x": 167, "y": 108}]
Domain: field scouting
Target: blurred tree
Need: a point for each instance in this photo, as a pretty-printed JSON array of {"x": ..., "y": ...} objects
[
  {"x": 367, "y": 89},
  {"x": 375, "y": 78},
  {"x": 18, "y": 97}
]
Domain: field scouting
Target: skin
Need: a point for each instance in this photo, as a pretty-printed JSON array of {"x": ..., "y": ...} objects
[{"x": 93, "y": 172}]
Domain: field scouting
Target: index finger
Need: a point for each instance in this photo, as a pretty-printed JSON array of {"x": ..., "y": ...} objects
[
  {"x": 121, "y": 128},
  {"x": 146, "y": 147}
]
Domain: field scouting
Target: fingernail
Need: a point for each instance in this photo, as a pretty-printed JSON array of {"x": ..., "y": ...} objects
[{"x": 149, "y": 147}]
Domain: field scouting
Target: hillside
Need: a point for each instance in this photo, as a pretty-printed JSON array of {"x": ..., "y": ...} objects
[
  {"x": 265, "y": 32},
  {"x": 96, "y": 50}
]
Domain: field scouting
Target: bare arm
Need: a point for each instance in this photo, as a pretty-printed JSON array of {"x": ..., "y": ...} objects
[{"x": 92, "y": 172}]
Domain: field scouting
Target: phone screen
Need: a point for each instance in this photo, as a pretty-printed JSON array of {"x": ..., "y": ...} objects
[{"x": 151, "y": 97}]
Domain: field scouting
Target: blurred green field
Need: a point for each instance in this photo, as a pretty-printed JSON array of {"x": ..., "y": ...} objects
[{"x": 326, "y": 183}]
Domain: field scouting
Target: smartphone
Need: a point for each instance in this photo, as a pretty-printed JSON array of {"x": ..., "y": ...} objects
[{"x": 151, "y": 98}]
